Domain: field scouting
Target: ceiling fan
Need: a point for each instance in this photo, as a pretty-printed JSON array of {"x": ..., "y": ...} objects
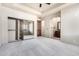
[{"x": 45, "y": 3}]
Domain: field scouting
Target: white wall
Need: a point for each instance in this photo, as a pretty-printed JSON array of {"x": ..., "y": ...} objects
[
  {"x": 4, "y": 13},
  {"x": 46, "y": 27},
  {"x": 0, "y": 28},
  {"x": 31, "y": 28},
  {"x": 70, "y": 24}
]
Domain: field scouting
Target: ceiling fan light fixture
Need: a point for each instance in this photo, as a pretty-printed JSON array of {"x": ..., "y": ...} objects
[{"x": 40, "y": 5}]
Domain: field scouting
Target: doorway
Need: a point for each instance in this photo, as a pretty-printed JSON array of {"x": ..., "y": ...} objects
[
  {"x": 56, "y": 27},
  {"x": 13, "y": 29},
  {"x": 26, "y": 29},
  {"x": 38, "y": 28},
  {"x": 19, "y": 29}
]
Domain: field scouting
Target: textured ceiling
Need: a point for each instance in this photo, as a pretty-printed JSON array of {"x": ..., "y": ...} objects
[
  {"x": 44, "y": 7},
  {"x": 34, "y": 8}
]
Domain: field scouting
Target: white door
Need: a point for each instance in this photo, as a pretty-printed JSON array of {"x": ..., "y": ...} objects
[{"x": 11, "y": 30}]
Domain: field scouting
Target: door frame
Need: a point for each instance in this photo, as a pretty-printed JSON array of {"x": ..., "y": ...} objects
[
  {"x": 16, "y": 19},
  {"x": 19, "y": 30},
  {"x": 16, "y": 29}
]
